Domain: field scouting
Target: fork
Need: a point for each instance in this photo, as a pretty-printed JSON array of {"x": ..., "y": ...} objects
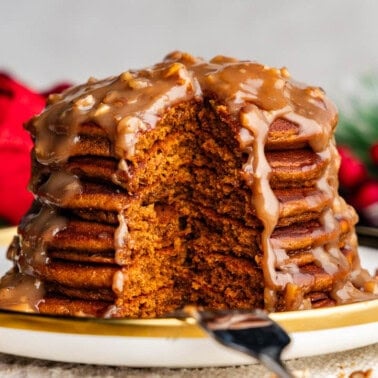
[{"x": 250, "y": 332}]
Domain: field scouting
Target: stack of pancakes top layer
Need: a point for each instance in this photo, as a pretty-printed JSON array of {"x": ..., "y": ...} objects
[{"x": 189, "y": 182}]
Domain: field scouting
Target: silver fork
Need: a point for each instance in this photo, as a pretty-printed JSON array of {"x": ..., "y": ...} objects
[{"x": 250, "y": 332}]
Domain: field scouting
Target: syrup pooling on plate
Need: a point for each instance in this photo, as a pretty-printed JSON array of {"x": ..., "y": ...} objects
[
  {"x": 21, "y": 292},
  {"x": 21, "y": 289},
  {"x": 254, "y": 97}
]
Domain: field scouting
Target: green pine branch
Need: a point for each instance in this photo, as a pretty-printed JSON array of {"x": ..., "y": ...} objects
[{"x": 358, "y": 123}]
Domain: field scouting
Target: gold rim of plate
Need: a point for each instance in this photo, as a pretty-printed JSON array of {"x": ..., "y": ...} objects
[{"x": 293, "y": 321}]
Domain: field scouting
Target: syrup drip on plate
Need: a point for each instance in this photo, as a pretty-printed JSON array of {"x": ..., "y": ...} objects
[{"x": 21, "y": 292}]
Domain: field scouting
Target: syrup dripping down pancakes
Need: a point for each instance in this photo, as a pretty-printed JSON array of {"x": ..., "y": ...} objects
[{"x": 189, "y": 182}]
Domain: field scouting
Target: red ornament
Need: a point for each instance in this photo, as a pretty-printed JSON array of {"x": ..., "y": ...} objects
[
  {"x": 366, "y": 202},
  {"x": 374, "y": 153},
  {"x": 352, "y": 171},
  {"x": 17, "y": 105},
  {"x": 367, "y": 194}
]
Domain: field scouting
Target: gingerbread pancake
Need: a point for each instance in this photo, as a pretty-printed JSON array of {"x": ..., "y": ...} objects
[{"x": 189, "y": 182}]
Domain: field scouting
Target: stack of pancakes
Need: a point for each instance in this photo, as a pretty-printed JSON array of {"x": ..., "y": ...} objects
[{"x": 190, "y": 182}]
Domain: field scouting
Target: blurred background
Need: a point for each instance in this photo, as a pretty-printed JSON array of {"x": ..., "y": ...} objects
[
  {"x": 329, "y": 43},
  {"x": 319, "y": 41}
]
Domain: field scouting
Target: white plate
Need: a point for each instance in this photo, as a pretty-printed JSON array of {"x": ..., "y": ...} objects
[{"x": 179, "y": 343}]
